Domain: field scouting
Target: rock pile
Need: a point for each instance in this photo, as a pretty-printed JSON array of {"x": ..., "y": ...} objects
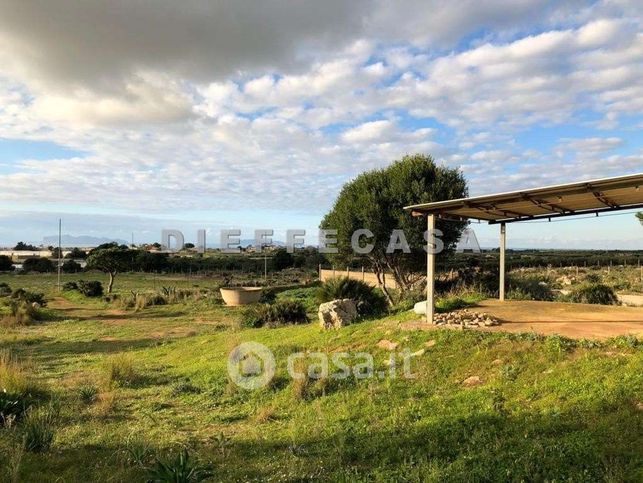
[{"x": 466, "y": 318}]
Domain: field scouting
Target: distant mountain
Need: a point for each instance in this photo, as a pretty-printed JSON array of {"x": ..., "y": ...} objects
[{"x": 80, "y": 241}]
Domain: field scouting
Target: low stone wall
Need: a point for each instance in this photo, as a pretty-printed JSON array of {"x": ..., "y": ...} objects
[{"x": 367, "y": 277}]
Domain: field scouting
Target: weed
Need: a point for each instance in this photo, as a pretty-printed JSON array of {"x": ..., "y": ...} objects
[
  {"x": 120, "y": 370},
  {"x": 39, "y": 431}
]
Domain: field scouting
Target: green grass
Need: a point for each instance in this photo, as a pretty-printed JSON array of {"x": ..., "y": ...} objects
[{"x": 547, "y": 408}]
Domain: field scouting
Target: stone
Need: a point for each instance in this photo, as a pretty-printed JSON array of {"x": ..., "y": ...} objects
[
  {"x": 337, "y": 313},
  {"x": 419, "y": 353},
  {"x": 430, "y": 343},
  {"x": 639, "y": 406},
  {"x": 420, "y": 308},
  {"x": 497, "y": 362},
  {"x": 387, "y": 345},
  {"x": 472, "y": 381}
]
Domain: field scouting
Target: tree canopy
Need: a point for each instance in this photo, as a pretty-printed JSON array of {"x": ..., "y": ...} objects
[
  {"x": 639, "y": 215},
  {"x": 375, "y": 201},
  {"x": 111, "y": 259}
]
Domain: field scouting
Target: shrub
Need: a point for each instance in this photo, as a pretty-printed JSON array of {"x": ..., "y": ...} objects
[
  {"x": 6, "y": 264},
  {"x": 22, "y": 313},
  {"x": 281, "y": 312},
  {"x": 92, "y": 288},
  {"x": 40, "y": 265},
  {"x": 5, "y": 290},
  {"x": 29, "y": 297},
  {"x": 15, "y": 376},
  {"x": 529, "y": 288},
  {"x": 70, "y": 286},
  {"x": 594, "y": 293},
  {"x": 39, "y": 429},
  {"x": 70, "y": 266},
  {"x": 369, "y": 300},
  {"x": 142, "y": 301},
  {"x": 177, "y": 469}
]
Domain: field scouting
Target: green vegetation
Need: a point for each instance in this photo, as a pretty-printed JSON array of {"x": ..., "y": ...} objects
[
  {"x": 280, "y": 312},
  {"x": 370, "y": 301},
  {"x": 593, "y": 293},
  {"x": 376, "y": 200},
  {"x": 141, "y": 393}
]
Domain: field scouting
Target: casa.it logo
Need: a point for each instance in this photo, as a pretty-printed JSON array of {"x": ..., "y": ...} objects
[{"x": 251, "y": 365}]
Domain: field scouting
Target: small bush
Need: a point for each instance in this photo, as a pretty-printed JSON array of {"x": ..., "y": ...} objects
[
  {"x": 22, "y": 314},
  {"x": 91, "y": 288},
  {"x": 70, "y": 266},
  {"x": 15, "y": 376},
  {"x": 5, "y": 290},
  {"x": 529, "y": 288},
  {"x": 29, "y": 297},
  {"x": 120, "y": 370},
  {"x": 177, "y": 469},
  {"x": 39, "y": 431},
  {"x": 13, "y": 407},
  {"x": 70, "y": 286},
  {"x": 594, "y": 293},
  {"x": 88, "y": 393},
  {"x": 282, "y": 312},
  {"x": 40, "y": 265},
  {"x": 370, "y": 301}
]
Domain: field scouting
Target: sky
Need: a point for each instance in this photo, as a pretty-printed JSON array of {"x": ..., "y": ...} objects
[{"x": 126, "y": 117}]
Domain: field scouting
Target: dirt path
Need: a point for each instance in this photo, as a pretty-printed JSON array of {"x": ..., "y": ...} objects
[{"x": 578, "y": 321}]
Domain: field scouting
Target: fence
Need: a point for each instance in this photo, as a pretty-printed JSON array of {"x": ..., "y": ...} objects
[{"x": 367, "y": 277}]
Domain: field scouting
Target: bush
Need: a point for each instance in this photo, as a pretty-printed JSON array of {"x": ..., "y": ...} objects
[
  {"x": 369, "y": 300},
  {"x": 40, "y": 265},
  {"x": 70, "y": 286},
  {"x": 529, "y": 288},
  {"x": 6, "y": 264},
  {"x": 39, "y": 429},
  {"x": 5, "y": 290},
  {"x": 29, "y": 297},
  {"x": 282, "y": 312},
  {"x": 594, "y": 293},
  {"x": 92, "y": 288},
  {"x": 22, "y": 313},
  {"x": 70, "y": 266}
]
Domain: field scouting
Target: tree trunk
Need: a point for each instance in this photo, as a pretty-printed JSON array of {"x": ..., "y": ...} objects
[
  {"x": 110, "y": 285},
  {"x": 379, "y": 273}
]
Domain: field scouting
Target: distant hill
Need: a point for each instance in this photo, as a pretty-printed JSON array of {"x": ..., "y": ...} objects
[{"x": 80, "y": 241}]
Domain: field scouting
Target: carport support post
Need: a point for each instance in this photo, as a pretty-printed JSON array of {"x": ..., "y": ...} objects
[
  {"x": 430, "y": 270},
  {"x": 503, "y": 246}
]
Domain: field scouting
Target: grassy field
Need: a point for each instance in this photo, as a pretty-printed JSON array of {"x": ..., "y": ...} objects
[{"x": 134, "y": 387}]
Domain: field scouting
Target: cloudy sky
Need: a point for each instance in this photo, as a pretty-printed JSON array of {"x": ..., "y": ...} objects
[{"x": 129, "y": 116}]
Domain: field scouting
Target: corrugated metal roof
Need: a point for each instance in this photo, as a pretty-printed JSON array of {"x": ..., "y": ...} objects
[{"x": 583, "y": 197}]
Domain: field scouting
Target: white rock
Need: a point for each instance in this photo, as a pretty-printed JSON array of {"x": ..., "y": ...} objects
[{"x": 337, "y": 313}]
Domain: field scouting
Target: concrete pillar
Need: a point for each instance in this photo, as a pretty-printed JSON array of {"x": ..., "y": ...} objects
[
  {"x": 430, "y": 271},
  {"x": 503, "y": 247}
]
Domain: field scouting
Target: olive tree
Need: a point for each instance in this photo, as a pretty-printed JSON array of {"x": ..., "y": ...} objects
[
  {"x": 111, "y": 259},
  {"x": 375, "y": 201}
]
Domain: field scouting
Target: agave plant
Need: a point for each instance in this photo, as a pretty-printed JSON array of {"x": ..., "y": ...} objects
[{"x": 178, "y": 469}]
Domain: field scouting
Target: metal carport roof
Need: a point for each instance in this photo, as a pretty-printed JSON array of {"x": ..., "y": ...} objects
[{"x": 583, "y": 197}]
